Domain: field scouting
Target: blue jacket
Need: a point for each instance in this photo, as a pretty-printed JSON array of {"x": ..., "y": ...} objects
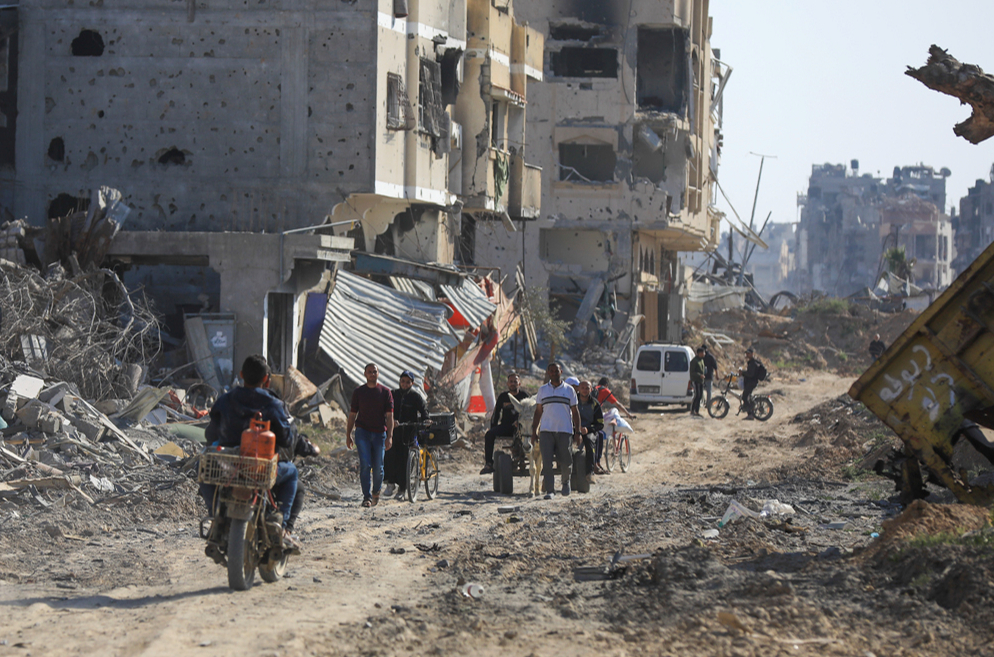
[{"x": 233, "y": 410}]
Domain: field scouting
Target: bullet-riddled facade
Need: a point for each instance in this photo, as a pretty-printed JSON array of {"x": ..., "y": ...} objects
[{"x": 624, "y": 126}]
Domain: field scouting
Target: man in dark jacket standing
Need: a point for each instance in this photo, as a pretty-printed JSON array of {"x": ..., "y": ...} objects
[
  {"x": 750, "y": 379},
  {"x": 712, "y": 369},
  {"x": 591, "y": 426},
  {"x": 503, "y": 420},
  {"x": 877, "y": 347},
  {"x": 698, "y": 371},
  {"x": 371, "y": 414},
  {"x": 230, "y": 416},
  {"x": 408, "y": 406}
]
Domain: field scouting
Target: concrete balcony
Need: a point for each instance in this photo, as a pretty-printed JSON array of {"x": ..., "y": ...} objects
[{"x": 525, "y": 190}]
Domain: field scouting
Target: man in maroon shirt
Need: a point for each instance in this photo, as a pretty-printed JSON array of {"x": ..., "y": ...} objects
[{"x": 371, "y": 414}]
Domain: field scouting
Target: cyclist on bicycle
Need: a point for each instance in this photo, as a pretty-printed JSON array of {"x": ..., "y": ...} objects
[
  {"x": 408, "y": 406},
  {"x": 750, "y": 379}
]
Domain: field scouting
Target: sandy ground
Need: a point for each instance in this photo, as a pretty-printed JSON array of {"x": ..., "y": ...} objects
[{"x": 386, "y": 581}]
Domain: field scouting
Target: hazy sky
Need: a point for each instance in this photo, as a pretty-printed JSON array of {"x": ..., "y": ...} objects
[{"x": 817, "y": 81}]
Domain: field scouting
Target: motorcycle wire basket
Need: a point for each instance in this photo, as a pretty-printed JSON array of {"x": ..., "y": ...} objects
[{"x": 234, "y": 470}]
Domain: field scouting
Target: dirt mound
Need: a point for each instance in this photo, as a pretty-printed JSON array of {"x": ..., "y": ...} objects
[
  {"x": 922, "y": 518},
  {"x": 827, "y": 334}
]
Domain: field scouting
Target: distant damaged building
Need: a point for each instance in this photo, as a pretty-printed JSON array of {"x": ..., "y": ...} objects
[
  {"x": 848, "y": 221},
  {"x": 624, "y": 124},
  {"x": 974, "y": 226}
]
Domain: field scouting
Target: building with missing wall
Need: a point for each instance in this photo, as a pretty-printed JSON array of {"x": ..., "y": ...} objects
[{"x": 625, "y": 127}]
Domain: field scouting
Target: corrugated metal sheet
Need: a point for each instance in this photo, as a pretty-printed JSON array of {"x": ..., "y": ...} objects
[
  {"x": 411, "y": 287},
  {"x": 470, "y": 301},
  {"x": 367, "y": 322}
]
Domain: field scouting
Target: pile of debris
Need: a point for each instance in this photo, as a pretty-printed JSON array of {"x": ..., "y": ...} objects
[{"x": 829, "y": 334}]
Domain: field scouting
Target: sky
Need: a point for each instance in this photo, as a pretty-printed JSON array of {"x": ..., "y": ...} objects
[{"x": 817, "y": 82}]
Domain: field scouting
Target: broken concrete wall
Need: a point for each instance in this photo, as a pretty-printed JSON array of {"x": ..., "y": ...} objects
[{"x": 219, "y": 117}]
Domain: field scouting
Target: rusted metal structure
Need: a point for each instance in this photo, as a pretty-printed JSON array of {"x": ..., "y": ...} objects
[{"x": 937, "y": 374}]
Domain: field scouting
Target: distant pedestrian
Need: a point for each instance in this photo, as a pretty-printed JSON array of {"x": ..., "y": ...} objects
[
  {"x": 751, "y": 376},
  {"x": 877, "y": 347},
  {"x": 408, "y": 407},
  {"x": 698, "y": 370},
  {"x": 371, "y": 413},
  {"x": 556, "y": 420},
  {"x": 712, "y": 371},
  {"x": 591, "y": 428}
]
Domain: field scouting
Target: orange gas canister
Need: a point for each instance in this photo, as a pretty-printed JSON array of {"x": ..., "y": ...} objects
[{"x": 258, "y": 441}]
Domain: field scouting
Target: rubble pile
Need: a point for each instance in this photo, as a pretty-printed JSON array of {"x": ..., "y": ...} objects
[
  {"x": 86, "y": 330},
  {"x": 829, "y": 334}
]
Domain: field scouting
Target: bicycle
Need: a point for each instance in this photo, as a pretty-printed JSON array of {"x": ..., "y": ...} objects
[
  {"x": 618, "y": 447},
  {"x": 762, "y": 405},
  {"x": 422, "y": 462}
]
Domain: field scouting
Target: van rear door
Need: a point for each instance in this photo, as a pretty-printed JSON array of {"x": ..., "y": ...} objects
[{"x": 676, "y": 373}]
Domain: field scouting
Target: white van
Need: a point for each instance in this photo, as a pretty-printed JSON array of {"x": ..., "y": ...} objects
[{"x": 661, "y": 376}]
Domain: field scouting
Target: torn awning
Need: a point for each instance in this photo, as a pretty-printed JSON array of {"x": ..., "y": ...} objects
[{"x": 368, "y": 322}]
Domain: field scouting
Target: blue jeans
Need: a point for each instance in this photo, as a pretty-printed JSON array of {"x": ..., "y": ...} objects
[
  {"x": 370, "y": 447},
  {"x": 284, "y": 490}
]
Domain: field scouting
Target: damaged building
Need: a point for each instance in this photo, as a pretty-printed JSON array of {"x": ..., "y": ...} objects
[
  {"x": 849, "y": 220},
  {"x": 624, "y": 124},
  {"x": 974, "y": 225},
  {"x": 231, "y": 128}
]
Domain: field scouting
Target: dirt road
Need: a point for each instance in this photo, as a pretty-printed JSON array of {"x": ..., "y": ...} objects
[{"x": 73, "y": 584}]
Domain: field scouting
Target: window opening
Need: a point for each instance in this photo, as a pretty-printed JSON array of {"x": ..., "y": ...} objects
[
  {"x": 587, "y": 162},
  {"x": 88, "y": 44},
  {"x": 573, "y": 32},
  {"x": 57, "y": 149},
  {"x": 450, "y": 75},
  {"x": 430, "y": 106},
  {"x": 578, "y": 62},
  {"x": 399, "y": 115},
  {"x": 661, "y": 69},
  {"x": 64, "y": 205}
]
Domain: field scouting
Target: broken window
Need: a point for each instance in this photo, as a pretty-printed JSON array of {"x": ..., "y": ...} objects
[
  {"x": 587, "y": 162},
  {"x": 584, "y": 63},
  {"x": 661, "y": 69},
  {"x": 467, "y": 240},
  {"x": 399, "y": 115},
  {"x": 498, "y": 117},
  {"x": 88, "y": 44},
  {"x": 573, "y": 32},
  {"x": 57, "y": 149},
  {"x": 64, "y": 205},
  {"x": 430, "y": 107},
  {"x": 925, "y": 246},
  {"x": 648, "y": 155},
  {"x": 450, "y": 75}
]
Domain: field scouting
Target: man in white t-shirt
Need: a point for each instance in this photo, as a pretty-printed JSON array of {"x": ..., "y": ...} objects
[{"x": 556, "y": 420}]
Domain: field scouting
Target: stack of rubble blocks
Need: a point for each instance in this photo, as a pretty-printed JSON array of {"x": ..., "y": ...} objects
[{"x": 10, "y": 248}]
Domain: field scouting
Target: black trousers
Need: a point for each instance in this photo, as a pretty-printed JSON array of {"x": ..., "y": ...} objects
[
  {"x": 747, "y": 389},
  {"x": 695, "y": 407},
  {"x": 506, "y": 430}
]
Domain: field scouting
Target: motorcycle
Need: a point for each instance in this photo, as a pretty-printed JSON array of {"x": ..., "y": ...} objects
[{"x": 246, "y": 531}]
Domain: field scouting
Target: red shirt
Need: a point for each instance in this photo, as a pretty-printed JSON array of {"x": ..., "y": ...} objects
[
  {"x": 604, "y": 395},
  {"x": 371, "y": 406}
]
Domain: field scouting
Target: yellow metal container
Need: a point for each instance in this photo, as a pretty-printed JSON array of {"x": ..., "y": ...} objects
[{"x": 938, "y": 371}]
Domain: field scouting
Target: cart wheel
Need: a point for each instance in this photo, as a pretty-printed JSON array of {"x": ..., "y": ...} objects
[
  {"x": 718, "y": 408},
  {"x": 762, "y": 408},
  {"x": 413, "y": 473},
  {"x": 503, "y": 475},
  {"x": 578, "y": 478},
  {"x": 431, "y": 475},
  {"x": 625, "y": 452}
]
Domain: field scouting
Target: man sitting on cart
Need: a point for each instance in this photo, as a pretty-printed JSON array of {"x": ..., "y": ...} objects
[
  {"x": 503, "y": 421},
  {"x": 408, "y": 406}
]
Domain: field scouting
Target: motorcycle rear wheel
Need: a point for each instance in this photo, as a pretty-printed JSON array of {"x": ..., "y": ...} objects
[{"x": 241, "y": 555}]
